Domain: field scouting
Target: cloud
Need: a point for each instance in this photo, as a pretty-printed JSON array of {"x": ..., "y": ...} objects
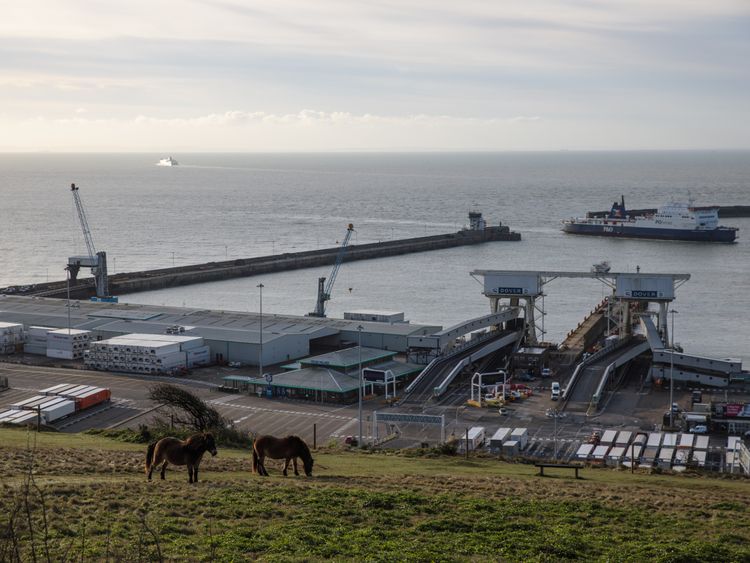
[{"x": 306, "y": 117}]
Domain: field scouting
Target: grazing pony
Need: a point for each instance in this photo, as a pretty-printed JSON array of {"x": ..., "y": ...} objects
[
  {"x": 288, "y": 449},
  {"x": 178, "y": 452}
]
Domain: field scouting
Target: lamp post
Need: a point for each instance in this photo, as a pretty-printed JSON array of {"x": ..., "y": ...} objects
[
  {"x": 359, "y": 379},
  {"x": 260, "y": 286},
  {"x": 671, "y": 375},
  {"x": 67, "y": 277}
]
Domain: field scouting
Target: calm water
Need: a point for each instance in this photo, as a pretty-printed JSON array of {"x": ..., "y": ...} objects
[{"x": 219, "y": 206}]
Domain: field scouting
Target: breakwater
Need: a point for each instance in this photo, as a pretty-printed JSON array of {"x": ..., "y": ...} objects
[
  {"x": 147, "y": 280},
  {"x": 725, "y": 211}
]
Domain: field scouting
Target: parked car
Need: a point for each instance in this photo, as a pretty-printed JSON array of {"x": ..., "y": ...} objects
[
  {"x": 699, "y": 429},
  {"x": 555, "y": 395}
]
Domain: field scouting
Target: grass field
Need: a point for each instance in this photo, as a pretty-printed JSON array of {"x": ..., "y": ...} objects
[{"x": 357, "y": 506}]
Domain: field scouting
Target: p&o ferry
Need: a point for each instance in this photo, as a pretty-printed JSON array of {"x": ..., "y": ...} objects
[{"x": 672, "y": 221}]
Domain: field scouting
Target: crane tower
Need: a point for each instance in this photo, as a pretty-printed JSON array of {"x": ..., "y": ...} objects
[
  {"x": 324, "y": 289},
  {"x": 97, "y": 261}
]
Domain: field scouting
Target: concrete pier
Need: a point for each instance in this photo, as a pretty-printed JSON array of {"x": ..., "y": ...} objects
[{"x": 133, "y": 282}]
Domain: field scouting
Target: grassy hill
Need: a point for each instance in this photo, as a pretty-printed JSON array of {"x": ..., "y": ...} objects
[{"x": 97, "y": 504}]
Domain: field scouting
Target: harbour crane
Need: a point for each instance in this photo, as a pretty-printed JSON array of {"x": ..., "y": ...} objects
[
  {"x": 324, "y": 289},
  {"x": 97, "y": 261}
]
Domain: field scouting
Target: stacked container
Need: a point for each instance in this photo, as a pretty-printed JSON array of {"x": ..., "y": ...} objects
[
  {"x": 67, "y": 344},
  {"x": 36, "y": 340},
  {"x": 52, "y": 408},
  {"x": 84, "y": 396},
  {"x": 499, "y": 438},
  {"x": 520, "y": 435},
  {"x": 11, "y": 337},
  {"x": 147, "y": 353}
]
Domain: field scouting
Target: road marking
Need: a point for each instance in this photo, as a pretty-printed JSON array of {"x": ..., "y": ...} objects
[{"x": 277, "y": 411}]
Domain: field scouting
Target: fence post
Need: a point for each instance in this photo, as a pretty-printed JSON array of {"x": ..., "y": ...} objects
[
  {"x": 38, "y": 417},
  {"x": 466, "y": 449}
]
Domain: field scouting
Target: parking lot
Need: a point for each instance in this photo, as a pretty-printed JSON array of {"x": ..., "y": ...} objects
[
  {"x": 632, "y": 408},
  {"x": 130, "y": 405}
]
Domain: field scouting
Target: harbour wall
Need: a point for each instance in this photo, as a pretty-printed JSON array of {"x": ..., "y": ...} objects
[{"x": 134, "y": 282}]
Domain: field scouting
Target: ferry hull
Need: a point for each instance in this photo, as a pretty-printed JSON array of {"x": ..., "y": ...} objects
[{"x": 716, "y": 235}]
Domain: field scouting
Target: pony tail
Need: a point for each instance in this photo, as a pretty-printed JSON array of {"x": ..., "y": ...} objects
[
  {"x": 150, "y": 455},
  {"x": 255, "y": 460}
]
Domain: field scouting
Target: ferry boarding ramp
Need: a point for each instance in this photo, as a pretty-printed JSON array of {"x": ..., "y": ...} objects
[
  {"x": 437, "y": 376},
  {"x": 593, "y": 374}
]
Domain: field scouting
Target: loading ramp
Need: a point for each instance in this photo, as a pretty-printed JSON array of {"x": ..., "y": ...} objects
[
  {"x": 438, "y": 374},
  {"x": 588, "y": 376}
]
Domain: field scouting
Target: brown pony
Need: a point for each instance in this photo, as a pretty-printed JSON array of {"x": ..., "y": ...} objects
[
  {"x": 288, "y": 449},
  {"x": 178, "y": 452}
]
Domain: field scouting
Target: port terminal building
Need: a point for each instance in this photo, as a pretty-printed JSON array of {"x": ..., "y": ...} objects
[
  {"x": 330, "y": 377},
  {"x": 232, "y": 336}
]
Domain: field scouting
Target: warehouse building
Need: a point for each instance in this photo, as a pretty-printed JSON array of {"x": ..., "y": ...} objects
[{"x": 231, "y": 336}]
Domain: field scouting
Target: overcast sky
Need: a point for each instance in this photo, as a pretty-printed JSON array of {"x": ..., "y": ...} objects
[{"x": 318, "y": 75}]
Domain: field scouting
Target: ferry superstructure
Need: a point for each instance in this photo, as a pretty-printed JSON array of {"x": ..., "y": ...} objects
[{"x": 169, "y": 161}]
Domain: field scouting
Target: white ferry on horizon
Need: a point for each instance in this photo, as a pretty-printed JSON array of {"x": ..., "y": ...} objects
[
  {"x": 672, "y": 221},
  {"x": 169, "y": 161}
]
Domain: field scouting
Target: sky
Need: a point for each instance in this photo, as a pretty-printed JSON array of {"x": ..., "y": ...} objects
[{"x": 381, "y": 75}]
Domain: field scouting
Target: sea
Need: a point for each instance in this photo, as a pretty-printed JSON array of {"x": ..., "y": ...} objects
[{"x": 215, "y": 207}]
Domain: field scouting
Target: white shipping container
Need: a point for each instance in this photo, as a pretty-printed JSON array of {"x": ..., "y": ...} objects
[
  {"x": 76, "y": 391},
  {"x": 476, "y": 438},
  {"x": 600, "y": 452},
  {"x": 51, "y": 403},
  {"x": 65, "y": 335},
  {"x": 584, "y": 451},
  {"x": 6, "y": 414},
  {"x": 686, "y": 440},
  {"x": 500, "y": 436},
  {"x": 654, "y": 440},
  {"x": 681, "y": 456},
  {"x": 608, "y": 438},
  {"x": 700, "y": 458},
  {"x": 623, "y": 438},
  {"x": 59, "y": 410},
  {"x": 701, "y": 442},
  {"x": 62, "y": 354},
  {"x": 670, "y": 440},
  {"x": 55, "y": 388},
  {"x": 510, "y": 448},
  {"x": 520, "y": 435},
  {"x": 634, "y": 451},
  {"x": 665, "y": 458},
  {"x": 615, "y": 456},
  {"x": 35, "y": 400},
  {"x": 26, "y": 418},
  {"x": 40, "y": 331}
]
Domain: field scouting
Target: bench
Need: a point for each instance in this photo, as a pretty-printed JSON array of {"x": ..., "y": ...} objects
[{"x": 541, "y": 467}]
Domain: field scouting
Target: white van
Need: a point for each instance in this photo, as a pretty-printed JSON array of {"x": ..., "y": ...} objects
[{"x": 555, "y": 391}]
